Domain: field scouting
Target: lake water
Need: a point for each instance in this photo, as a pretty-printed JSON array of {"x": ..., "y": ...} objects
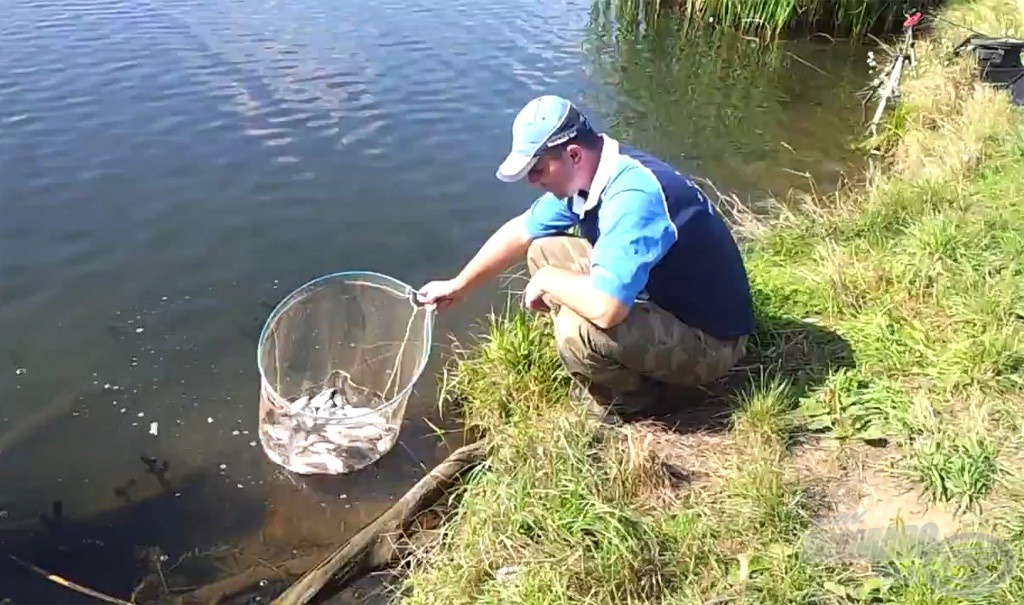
[{"x": 170, "y": 169}]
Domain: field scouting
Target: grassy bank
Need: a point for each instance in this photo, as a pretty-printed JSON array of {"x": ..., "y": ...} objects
[
  {"x": 889, "y": 354},
  {"x": 841, "y": 17}
]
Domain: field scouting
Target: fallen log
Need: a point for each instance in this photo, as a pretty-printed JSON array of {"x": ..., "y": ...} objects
[
  {"x": 246, "y": 581},
  {"x": 373, "y": 548},
  {"x": 386, "y": 553},
  {"x": 349, "y": 559}
]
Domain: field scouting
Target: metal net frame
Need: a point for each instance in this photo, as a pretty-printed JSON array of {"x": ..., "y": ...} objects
[{"x": 366, "y": 349}]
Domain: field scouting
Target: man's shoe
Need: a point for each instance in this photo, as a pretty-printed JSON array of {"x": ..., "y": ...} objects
[
  {"x": 635, "y": 403},
  {"x": 597, "y": 408}
]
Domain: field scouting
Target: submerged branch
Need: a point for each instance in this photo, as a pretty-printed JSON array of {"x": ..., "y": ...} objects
[
  {"x": 69, "y": 584},
  {"x": 381, "y": 544},
  {"x": 350, "y": 558},
  {"x": 386, "y": 553}
]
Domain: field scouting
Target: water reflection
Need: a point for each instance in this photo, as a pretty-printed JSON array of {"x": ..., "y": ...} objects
[
  {"x": 170, "y": 169},
  {"x": 758, "y": 118}
]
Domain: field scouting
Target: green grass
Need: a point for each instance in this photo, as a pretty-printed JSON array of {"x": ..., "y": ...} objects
[{"x": 888, "y": 313}]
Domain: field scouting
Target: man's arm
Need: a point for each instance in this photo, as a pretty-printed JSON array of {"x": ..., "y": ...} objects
[
  {"x": 497, "y": 254},
  {"x": 546, "y": 216},
  {"x": 636, "y": 232}
]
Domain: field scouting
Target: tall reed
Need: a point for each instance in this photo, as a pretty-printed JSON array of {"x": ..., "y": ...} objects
[{"x": 835, "y": 17}]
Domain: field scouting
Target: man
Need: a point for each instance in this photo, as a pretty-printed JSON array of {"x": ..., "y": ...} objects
[{"x": 654, "y": 293}]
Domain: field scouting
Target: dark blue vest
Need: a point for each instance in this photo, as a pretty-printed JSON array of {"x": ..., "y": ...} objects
[{"x": 702, "y": 279}]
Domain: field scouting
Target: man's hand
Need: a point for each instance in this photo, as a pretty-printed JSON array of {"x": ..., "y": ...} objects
[
  {"x": 533, "y": 297},
  {"x": 443, "y": 294},
  {"x": 575, "y": 291}
]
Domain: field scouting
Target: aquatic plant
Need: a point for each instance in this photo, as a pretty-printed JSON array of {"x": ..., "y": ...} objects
[{"x": 834, "y": 17}]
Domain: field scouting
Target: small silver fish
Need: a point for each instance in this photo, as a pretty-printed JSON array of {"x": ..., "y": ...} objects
[
  {"x": 304, "y": 439},
  {"x": 323, "y": 447},
  {"x": 336, "y": 379},
  {"x": 326, "y": 462},
  {"x": 299, "y": 404},
  {"x": 362, "y": 432},
  {"x": 322, "y": 398},
  {"x": 278, "y": 433}
]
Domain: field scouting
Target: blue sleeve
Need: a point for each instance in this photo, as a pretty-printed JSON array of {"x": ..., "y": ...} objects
[
  {"x": 636, "y": 232},
  {"x": 549, "y": 215}
]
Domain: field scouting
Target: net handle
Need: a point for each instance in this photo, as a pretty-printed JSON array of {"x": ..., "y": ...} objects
[
  {"x": 430, "y": 310},
  {"x": 414, "y": 295}
]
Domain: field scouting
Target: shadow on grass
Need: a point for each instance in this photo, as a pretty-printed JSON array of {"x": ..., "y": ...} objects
[{"x": 798, "y": 353}]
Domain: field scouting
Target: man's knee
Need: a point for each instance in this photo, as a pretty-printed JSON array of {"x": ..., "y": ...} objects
[
  {"x": 697, "y": 359},
  {"x": 588, "y": 353},
  {"x": 562, "y": 251},
  {"x": 647, "y": 344},
  {"x": 575, "y": 344},
  {"x": 535, "y": 255}
]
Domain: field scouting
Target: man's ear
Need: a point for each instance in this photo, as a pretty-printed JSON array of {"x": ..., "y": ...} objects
[{"x": 576, "y": 154}]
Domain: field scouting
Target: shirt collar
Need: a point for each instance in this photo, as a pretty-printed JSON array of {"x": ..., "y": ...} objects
[{"x": 605, "y": 168}]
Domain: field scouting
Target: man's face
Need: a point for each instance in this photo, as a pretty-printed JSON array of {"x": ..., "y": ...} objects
[{"x": 555, "y": 171}]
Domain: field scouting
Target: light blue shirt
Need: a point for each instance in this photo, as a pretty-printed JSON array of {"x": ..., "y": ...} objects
[{"x": 654, "y": 232}]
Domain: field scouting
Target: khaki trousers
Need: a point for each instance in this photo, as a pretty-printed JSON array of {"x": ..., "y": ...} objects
[{"x": 627, "y": 365}]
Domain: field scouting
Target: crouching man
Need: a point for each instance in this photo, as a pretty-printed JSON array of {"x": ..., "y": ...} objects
[{"x": 651, "y": 292}]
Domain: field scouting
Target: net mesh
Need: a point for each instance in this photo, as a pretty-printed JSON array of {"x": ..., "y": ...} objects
[
  {"x": 365, "y": 325},
  {"x": 338, "y": 359}
]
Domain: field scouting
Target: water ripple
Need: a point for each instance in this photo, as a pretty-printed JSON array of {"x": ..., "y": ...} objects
[{"x": 170, "y": 159}]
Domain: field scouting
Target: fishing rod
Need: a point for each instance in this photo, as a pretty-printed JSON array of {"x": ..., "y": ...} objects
[
  {"x": 963, "y": 27},
  {"x": 906, "y": 54}
]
